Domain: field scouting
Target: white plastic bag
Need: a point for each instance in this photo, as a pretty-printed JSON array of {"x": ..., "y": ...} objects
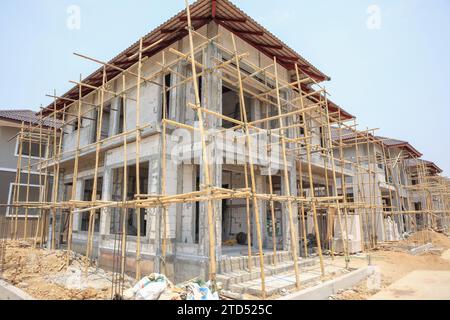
[
  {"x": 151, "y": 291},
  {"x": 148, "y": 288},
  {"x": 201, "y": 293}
]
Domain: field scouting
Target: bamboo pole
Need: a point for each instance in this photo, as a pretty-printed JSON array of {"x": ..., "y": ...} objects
[
  {"x": 343, "y": 190},
  {"x": 311, "y": 182},
  {"x": 211, "y": 228},
  {"x": 98, "y": 137},
  {"x": 164, "y": 165},
  {"x": 271, "y": 204},
  {"x": 294, "y": 239},
  {"x": 252, "y": 169},
  {"x": 40, "y": 184},
  {"x": 138, "y": 150},
  {"x": 27, "y": 196},
  {"x": 18, "y": 180},
  {"x": 75, "y": 174},
  {"x": 124, "y": 209}
]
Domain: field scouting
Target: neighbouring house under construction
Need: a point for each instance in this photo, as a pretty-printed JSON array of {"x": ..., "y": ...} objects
[{"x": 210, "y": 143}]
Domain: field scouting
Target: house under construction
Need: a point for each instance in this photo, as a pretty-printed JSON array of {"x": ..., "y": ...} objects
[{"x": 211, "y": 131}]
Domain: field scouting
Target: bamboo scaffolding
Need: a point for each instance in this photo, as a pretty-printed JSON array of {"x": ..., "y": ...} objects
[{"x": 312, "y": 142}]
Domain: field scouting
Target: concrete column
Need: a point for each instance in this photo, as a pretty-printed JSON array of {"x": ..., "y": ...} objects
[
  {"x": 78, "y": 196},
  {"x": 58, "y": 224},
  {"x": 105, "y": 214},
  {"x": 114, "y": 122},
  {"x": 212, "y": 100},
  {"x": 154, "y": 215},
  {"x": 285, "y": 211},
  {"x": 260, "y": 181}
]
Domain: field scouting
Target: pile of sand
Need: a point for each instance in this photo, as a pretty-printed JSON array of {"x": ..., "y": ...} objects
[
  {"x": 438, "y": 239},
  {"x": 44, "y": 275}
]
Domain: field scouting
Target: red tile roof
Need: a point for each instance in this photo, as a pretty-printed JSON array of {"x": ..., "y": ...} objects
[
  {"x": 429, "y": 164},
  {"x": 225, "y": 14},
  {"x": 26, "y": 116}
]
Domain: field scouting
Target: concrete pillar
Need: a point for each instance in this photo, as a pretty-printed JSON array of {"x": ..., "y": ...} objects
[
  {"x": 58, "y": 224},
  {"x": 78, "y": 196},
  {"x": 105, "y": 214},
  {"x": 114, "y": 122},
  {"x": 154, "y": 215},
  {"x": 212, "y": 100}
]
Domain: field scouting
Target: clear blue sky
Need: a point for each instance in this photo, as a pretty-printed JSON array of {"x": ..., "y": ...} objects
[{"x": 396, "y": 78}]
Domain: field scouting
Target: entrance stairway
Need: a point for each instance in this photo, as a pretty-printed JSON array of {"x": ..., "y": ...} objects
[{"x": 235, "y": 276}]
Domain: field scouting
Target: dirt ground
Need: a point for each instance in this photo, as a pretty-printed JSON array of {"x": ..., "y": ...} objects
[
  {"x": 43, "y": 274},
  {"x": 395, "y": 263}
]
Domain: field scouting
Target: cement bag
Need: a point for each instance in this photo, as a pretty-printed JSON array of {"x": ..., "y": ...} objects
[
  {"x": 196, "y": 292},
  {"x": 148, "y": 288},
  {"x": 131, "y": 293},
  {"x": 151, "y": 291}
]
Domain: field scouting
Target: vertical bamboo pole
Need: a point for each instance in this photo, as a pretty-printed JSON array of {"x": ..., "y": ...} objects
[
  {"x": 371, "y": 195},
  {"x": 302, "y": 210},
  {"x": 138, "y": 151},
  {"x": 294, "y": 239},
  {"x": 75, "y": 172},
  {"x": 333, "y": 169},
  {"x": 18, "y": 179},
  {"x": 98, "y": 143},
  {"x": 388, "y": 174},
  {"x": 39, "y": 168},
  {"x": 343, "y": 186},
  {"x": 211, "y": 228},
  {"x": 396, "y": 181},
  {"x": 163, "y": 162},
  {"x": 248, "y": 216},
  {"x": 272, "y": 213},
  {"x": 331, "y": 213},
  {"x": 124, "y": 209},
  {"x": 58, "y": 157},
  {"x": 27, "y": 196},
  {"x": 46, "y": 211},
  {"x": 361, "y": 195},
  {"x": 55, "y": 178},
  {"x": 310, "y": 174},
  {"x": 252, "y": 169}
]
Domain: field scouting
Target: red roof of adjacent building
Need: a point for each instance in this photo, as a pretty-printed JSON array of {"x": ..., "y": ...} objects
[
  {"x": 389, "y": 142},
  {"x": 27, "y": 116},
  {"x": 429, "y": 164}
]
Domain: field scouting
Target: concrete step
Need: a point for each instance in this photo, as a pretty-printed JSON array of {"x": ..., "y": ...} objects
[
  {"x": 237, "y": 263},
  {"x": 241, "y": 275},
  {"x": 275, "y": 284}
]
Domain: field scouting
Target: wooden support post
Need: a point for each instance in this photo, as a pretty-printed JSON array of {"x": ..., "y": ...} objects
[
  {"x": 211, "y": 228},
  {"x": 98, "y": 138},
  {"x": 294, "y": 239},
  {"x": 27, "y": 196},
  {"x": 138, "y": 151},
  {"x": 164, "y": 165},
  {"x": 18, "y": 180},
  {"x": 311, "y": 181},
  {"x": 124, "y": 209}
]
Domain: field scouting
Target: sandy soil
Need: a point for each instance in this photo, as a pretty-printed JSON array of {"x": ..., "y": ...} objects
[
  {"x": 395, "y": 263},
  {"x": 43, "y": 274}
]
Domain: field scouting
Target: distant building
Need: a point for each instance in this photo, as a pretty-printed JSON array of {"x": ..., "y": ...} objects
[{"x": 10, "y": 127}]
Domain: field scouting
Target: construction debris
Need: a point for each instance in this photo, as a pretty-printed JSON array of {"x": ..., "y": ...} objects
[{"x": 44, "y": 274}]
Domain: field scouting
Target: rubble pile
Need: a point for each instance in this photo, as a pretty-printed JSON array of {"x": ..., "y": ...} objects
[{"x": 45, "y": 276}]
